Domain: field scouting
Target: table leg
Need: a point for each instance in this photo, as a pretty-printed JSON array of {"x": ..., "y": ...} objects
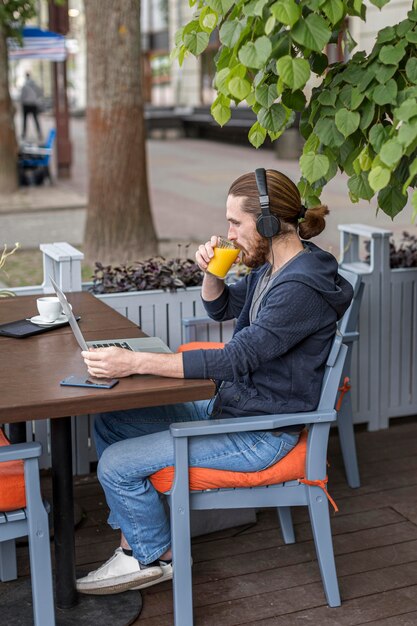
[{"x": 62, "y": 490}]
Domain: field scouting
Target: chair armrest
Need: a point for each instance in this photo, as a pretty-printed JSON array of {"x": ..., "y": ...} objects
[
  {"x": 247, "y": 424},
  {"x": 20, "y": 451},
  {"x": 197, "y": 321},
  {"x": 350, "y": 337}
]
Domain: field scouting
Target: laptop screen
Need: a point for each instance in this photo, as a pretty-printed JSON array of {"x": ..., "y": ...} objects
[{"x": 68, "y": 312}]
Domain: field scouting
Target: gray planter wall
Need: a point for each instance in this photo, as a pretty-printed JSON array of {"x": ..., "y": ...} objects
[{"x": 384, "y": 371}]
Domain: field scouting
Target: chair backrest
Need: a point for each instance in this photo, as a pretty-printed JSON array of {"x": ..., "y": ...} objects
[
  {"x": 349, "y": 321},
  {"x": 332, "y": 373},
  {"x": 51, "y": 138}
]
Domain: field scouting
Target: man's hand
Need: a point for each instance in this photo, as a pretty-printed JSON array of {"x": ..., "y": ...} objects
[
  {"x": 119, "y": 362},
  {"x": 205, "y": 252},
  {"x": 110, "y": 362}
]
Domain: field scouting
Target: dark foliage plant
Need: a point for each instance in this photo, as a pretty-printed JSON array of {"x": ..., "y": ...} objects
[
  {"x": 153, "y": 273},
  {"x": 402, "y": 255}
]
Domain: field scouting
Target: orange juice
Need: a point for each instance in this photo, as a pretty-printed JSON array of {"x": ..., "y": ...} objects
[{"x": 222, "y": 261}]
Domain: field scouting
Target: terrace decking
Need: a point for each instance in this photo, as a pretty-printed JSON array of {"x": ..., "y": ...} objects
[{"x": 247, "y": 575}]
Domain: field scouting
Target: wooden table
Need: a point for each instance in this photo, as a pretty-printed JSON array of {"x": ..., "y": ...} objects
[{"x": 30, "y": 371}]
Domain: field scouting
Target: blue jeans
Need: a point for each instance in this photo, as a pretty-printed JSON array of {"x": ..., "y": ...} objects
[{"x": 134, "y": 444}]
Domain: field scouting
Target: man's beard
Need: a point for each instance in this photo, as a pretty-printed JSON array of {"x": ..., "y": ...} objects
[{"x": 258, "y": 255}]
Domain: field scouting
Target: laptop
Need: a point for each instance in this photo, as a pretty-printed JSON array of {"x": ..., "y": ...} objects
[{"x": 136, "y": 344}]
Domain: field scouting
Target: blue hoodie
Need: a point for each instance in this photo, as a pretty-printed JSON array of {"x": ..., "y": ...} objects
[{"x": 276, "y": 364}]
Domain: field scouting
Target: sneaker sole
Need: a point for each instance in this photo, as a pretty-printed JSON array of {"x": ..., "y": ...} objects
[
  {"x": 161, "y": 579},
  {"x": 118, "y": 587}
]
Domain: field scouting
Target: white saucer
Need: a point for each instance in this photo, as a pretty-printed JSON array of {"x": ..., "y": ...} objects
[{"x": 39, "y": 321}]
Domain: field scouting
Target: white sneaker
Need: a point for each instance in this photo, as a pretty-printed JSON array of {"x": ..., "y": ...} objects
[
  {"x": 166, "y": 575},
  {"x": 120, "y": 573}
]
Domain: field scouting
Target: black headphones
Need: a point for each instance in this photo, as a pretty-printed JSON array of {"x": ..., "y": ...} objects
[{"x": 267, "y": 225}]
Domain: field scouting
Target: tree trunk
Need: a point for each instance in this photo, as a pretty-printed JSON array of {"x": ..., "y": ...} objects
[
  {"x": 8, "y": 144},
  {"x": 119, "y": 220}
]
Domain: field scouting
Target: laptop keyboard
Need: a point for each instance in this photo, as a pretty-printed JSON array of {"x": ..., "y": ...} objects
[{"x": 117, "y": 344}]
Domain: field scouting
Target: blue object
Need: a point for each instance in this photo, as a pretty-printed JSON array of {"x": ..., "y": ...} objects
[
  {"x": 39, "y": 163},
  {"x": 31, "y": 521}
]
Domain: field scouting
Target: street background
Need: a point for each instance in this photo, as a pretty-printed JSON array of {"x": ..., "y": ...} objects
[{"x": 188, "y": 183}]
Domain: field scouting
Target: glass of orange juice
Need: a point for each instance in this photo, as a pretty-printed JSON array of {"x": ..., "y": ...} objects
[{"x": 225, "y": 254}]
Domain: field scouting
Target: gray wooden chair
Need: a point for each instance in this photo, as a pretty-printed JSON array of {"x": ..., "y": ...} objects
[
  {"x": 281, "y": 496},
  {"x": 32, "y": 521},
  {"x": 195, "y": 335},
  {"x": 348, "y": 327}
]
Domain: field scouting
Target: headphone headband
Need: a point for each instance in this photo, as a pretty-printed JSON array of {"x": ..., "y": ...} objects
[{"x": 267, "y": 225}]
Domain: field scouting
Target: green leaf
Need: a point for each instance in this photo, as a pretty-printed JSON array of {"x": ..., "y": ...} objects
[
  {"x": 332, "y": 171},
  {"x": 368, "y": 113},
  {"x": 365, "y": 159},
  {"x": 407, "y": 110},
  {"x": 333, "y": 10},
  {"x": 314, "y": 166},
  {"x": 287, "y": 12},
  {"x": 407, "y": 133},
  {"x": 266, "y": 95},
  {"x": 359, "y": 186},
  {"x": 295, "y": 101},
  {"x": 221, "y": 79},
  {"x": 366, "y": 79},
  {"x": 230, "y": 32},
  {"x": 318, "y": 63},
  {"x": 239, "y": 87},
  {"x": 386, "y": 34},
  {"x": 391, "y": 55},
  {"x": 411, "y": 36},
  {"x": 269, "y": 25},
  {"x": 312, "y": 143},
  {"x": 392, "y": 200},
  {"x": 208, "y": 19},
  {"x": 257, "y": 135},
  {"x": 385, "y": 94},
  {"x": 379, "y": 177},
  {"x": 259, "y": 7},
  {"x": 220, "y": 6},
  {"x": 220, "y": 110},
  {"x": 312, "y": 33},
  {"x": 196, "y": 42},
  {"x": 345, "y": 96},
  {"x": 356, "y": 98},
  {"x": 379, "y": 3},
  {"x": 411, "y": 70},
  {"x": 378, "y": 135},
  {"x": 350, "y": 162},
  {"x": 327, "y": 131},
  {"x": 294, "y": 72},
  {"x": 347, "y": 121},
  {"x": 274, "y": 118},
  {"x": 412, "y": 174},
  {"x": 403, "y": 27},
  {"x": 327, "y": 97},
  {"x": 256, "y": 54},
  {"x": 391, "y": 152},
  {"x": 385, "y": 72}
]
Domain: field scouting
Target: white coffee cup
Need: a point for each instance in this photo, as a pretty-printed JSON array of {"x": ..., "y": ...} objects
[{"x": 49, "y": 308}]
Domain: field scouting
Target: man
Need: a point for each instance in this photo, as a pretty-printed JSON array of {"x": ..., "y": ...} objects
[
  {"x": 30, "y": 98},
  {"x": 286, "y": 311}
]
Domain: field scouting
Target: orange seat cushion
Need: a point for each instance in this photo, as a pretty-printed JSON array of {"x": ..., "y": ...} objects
[
  {"x": 200, "y": 345},
  {"x": 291, "y": 467},
  {"x": 12, "y": 482}
]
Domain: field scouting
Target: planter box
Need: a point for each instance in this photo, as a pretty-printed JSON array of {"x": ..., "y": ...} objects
[{"x": 384, "y": 370}]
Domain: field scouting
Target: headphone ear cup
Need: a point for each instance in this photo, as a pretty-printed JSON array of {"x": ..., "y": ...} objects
[{"x": 268, "y": 225}]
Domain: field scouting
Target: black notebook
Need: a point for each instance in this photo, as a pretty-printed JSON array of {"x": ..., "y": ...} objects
[{"x": 23, "y": 328}]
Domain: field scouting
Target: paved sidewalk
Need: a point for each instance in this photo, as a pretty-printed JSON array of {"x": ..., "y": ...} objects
[{"x": 188, "y": 181}]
